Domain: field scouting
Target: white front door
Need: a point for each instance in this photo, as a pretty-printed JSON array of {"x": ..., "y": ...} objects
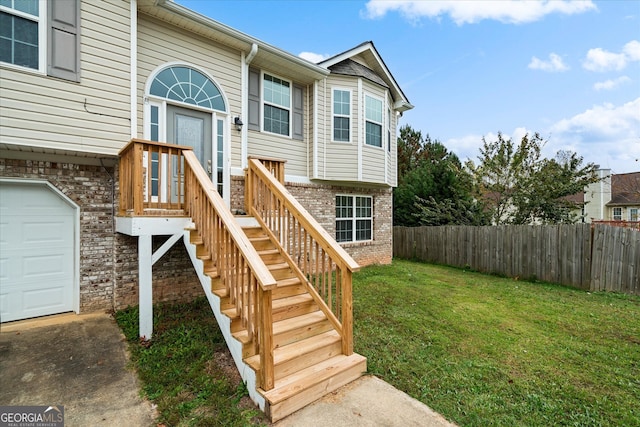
[{"x": 37, "y": 251}]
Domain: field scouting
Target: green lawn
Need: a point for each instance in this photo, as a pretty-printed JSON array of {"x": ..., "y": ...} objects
[
  {"x": 484, "y": 350},
  {"x": 479, "y": 349}
]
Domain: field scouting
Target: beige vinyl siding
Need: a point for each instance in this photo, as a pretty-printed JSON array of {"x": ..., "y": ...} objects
[
  {"x": 46, "y": 112},
  {"x": 373, "y": 158},
  {"x": 294, "y": 151},
  {"x": 160, "y": 43},
  {"x": 342, "y": 157},
  {"x": 317, "y": 146}
]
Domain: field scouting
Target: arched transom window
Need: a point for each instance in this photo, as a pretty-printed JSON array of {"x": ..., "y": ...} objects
[{"x": 189, "y": 86}]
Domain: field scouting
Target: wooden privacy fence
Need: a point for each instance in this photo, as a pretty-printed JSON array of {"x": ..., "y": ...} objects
[{"x": 579, "y": 255}]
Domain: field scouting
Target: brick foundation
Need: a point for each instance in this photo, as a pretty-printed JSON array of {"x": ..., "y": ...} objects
[{"x": 108, "y": 260}]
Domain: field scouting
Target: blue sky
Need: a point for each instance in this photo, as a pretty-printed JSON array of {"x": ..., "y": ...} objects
[{"x": 569, "y": 70}]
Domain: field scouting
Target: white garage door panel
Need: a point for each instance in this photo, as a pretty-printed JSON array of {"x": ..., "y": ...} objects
[{"x": 37, "y": 252}]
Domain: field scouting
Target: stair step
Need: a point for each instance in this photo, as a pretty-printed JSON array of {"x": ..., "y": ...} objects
[
  {"x": 278, "y": 266},
  {"x": 308, "y": 385},
  {"x": 300, "y": 355},
  {"x": 299, "y": 328},
  {"x": 293, "y": 329}
]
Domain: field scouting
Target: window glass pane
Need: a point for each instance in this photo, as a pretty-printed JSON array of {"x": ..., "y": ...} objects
[
  {"x": 344, "y": 231},
  {"x": 373, "y": 109},
  {"x": 26, "y": 6},
  {"x": 18, "y": 41},
  {"x": 189, "y": 86},
  {"x": 155, "y": 128},
  {"x": 374, "y": 134},
  {"x": 363, "y": 229},
  {"x": 6, "y": 26},
  {"x": 341, "y": 129},
  {"x": 276, "y": 120},
  {"x": 276, "y": 91},
  {"x": 341, "y": 104}
]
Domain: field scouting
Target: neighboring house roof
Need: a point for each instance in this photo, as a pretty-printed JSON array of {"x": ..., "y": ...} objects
[
  {"x": 577, "y": 198},
  {"x": 368, "y": 51},
  {"x": 625, "y": 189}
]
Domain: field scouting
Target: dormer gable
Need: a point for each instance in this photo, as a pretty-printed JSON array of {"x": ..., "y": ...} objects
[{"x": 365, "y": 61}]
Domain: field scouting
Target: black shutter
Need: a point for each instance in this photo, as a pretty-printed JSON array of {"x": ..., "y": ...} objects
[
  {"x": 298, "y": 112},
  {"x": 63, "y": 39},
  {"x": 254, "y": 100}
]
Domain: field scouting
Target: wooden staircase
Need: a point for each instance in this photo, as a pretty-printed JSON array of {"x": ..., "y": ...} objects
[
  {"x": 279, "y": 286},
  {"x": 308, "y": 358}
]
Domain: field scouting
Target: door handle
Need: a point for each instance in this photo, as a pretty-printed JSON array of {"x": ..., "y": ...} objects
[{"x": 209, "y": 166}]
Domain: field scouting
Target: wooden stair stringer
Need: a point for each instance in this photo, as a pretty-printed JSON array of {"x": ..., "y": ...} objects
[{"x": 247, "y": 374}]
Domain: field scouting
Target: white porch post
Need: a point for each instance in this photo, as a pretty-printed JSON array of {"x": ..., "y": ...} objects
[{"x": 144, "y": 284}]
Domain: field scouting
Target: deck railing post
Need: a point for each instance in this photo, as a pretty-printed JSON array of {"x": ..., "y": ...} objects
[
  {"x": 266, "y": 338},
  {"x": 136, "y": 179}
]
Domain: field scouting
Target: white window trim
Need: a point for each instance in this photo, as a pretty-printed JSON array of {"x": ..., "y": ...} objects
[
  {"x": 42, "y": 38},
  {"x": 349, "y": 116},
  {"x": 354, "y": 218},
  {"x": 613, "y": 214},
  {"x": 364, "y": 115},
  {"x": 263, "y": 103},
  {"x": 637, "y": 212}
]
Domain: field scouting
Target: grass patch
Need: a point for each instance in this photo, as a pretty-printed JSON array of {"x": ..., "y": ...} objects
[
  {"x": 187, "y": 370},
  {"x": 480, "y": 349},
  {"x": 490, "y": 351}
]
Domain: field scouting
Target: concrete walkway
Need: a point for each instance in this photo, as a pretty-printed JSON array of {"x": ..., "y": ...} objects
[
  {"x": 77, "y": 361},
  {"x": 80, "y": 362}
]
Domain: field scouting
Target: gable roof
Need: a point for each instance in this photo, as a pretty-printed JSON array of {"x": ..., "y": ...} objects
[
  {"x": 625, "y": 189},
  {"x": 368, "y": 51}
]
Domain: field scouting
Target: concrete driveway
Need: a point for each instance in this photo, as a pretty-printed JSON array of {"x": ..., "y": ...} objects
[{"x": 77, "y": 361}]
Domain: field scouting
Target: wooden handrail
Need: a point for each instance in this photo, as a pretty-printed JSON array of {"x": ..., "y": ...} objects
[
  {"x": 248, "y": 280},
  {"x": 166, "y": 177},
  {"x": 326, "y": 267}
]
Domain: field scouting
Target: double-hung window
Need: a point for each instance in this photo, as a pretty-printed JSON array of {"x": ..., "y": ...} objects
[
  {"x": 21, "y": 30},
  {"x": 373, "y": 117},
  {"x": 341, "y": 115},
  {"x": 41, "y": 35},
  {"x": 633, "y": 214},
  {"x": 617, "y": 214},
  {"x": 354, "y": 218},
  {"x": 277, "y": 105}
]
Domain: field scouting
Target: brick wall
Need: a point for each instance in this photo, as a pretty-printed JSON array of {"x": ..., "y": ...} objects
[
  {"x": 320, "y": 201},
  {"x": 174, "y": 278},
  {"x": 108, "y": 260}
]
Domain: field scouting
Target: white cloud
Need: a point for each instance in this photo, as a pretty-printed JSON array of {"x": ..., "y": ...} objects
[
  {"x": 605, "y": 134},
  {"x": 554, "y": 64},
  {"x": 611, "y": 83},
  {"x": 313, "y": 57},
  {"x": 600, "y": 60},
  {"x": 469, "y": 12}
]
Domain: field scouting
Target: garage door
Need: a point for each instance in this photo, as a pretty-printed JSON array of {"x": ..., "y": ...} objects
[{"x": 37, "y": 251}]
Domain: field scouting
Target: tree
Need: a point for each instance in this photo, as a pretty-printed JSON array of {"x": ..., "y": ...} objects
[
  {"x": 433, "y": 187},
  {"x": 519, "y": 186}
]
